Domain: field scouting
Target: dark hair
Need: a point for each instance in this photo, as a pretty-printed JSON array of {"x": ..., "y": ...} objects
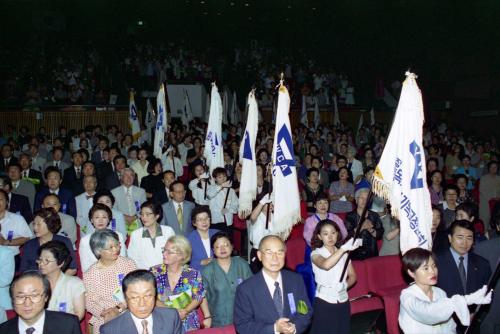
[
  {"x": 52, "y": 169},
  {"x": 173, "y": 184},
  {"x": 50, "y": 217},
  {"x": 155, "y": 207},
  {"x": 16, "y": 165},
  {"x": 167, "y": 172},
  {"x": 431, "y": 175},
  {"x": 341, "y": 156},
  {"x": 59, "y": 251},
  {"x": 463, "y": 224},
  {"x": 6, "y": 182},
  {"x": 435, "y": 161},
  {"x": 451, "y": 187},
  {"x": 317, "y": 158},
  {"x": 217, "y": 236},
  {"x": 119, "y": 156},
  {"x": 320, "y": 197},
  {"x": 347, "y": 169},
  {"x": 416, "y": 257},
  {"x": 75, "y": 153},
  {"x": 491, "y": 163},
  {"x": 104, "y": 192},
  {"x": 460, "y": 176},
  {"x": 311, "y": 170},
  {"x": 100, "y": 207},
  {"x": 469, "y": 208},
  {"x": 152, "y": 164},
  {"x": 316, "y": 242},
  {"x": 31, "y": 274},
  {"x": 198, "y": 210},
  {"x": 219, "y": 170},
  {"x": 139, "y": 275}
]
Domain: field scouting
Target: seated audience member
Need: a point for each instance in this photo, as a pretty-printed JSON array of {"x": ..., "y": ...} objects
[
  {"x": 30, "y": 292},
  {"x": 317, "y": 162},
  {"x": 179, "y": 286},
  {"x": 258, "y": 229},
  {"x": 20, "y": 186},
  {"x": 15, "y": 232},
  {"x": 177, "y": 212},
  {"x": 440, "y": 240},
  {"x": 341, "y": 193},
  {"x": 371, "y": 229},
  {"x": 220, "y": 279},
  {"x": 56, "y": 161},
  {"x": 54, "y": 180},
  {"x": 68, "y": 224},
  {"x": 6, "y": 275},
  {"x": 341, "y": 161},
  {"x": 117, "y": 223},
  {"x": 425, "y": 308},
  {"x": 470, "y": 172},
  {"x": 468, "y": 211},
  {"x": 312, "y": 189},
  {"x": 146, "y": 243},
  {"x": 331, "y": 304},
  {"x": 18, "y": 204},
  {"x": 390, "y": 238},
  {"x": 100, "y": 217},
  {"x": 68, "y": 292},
  {"x": 448, "y": 206},
  {"x": 199, "y": 185},
  {"x": 489, "y": 188},
  {"x": 222, "y": 210},
  {"x": 464, "y": 195},
  {"x": 321, "y": 205},
  {"x": 435, "y": 182},
  {"x": 139, "y": 289},
  {"x": 85, "y": 201},
  {"x": 162, "y": 195},
  {"x": 461, "y": 271},
  {"x": 37, "y": 160},
  {"x": 140, "y": 167},
  {"x": 129, "y": 199},
  {"x": 153, "y": 181},
  {"x": 28, "y": 173},
  {"x": 113, "y": 177},
  {"x": 104, "y": 297},
  {"x": 202, "y": 253},
  {"x": 170, "y": 161},
  {"x": 73, "y": 175},
  {"x": 264, "y": 303},
  {"x": 46, "y": 224}
]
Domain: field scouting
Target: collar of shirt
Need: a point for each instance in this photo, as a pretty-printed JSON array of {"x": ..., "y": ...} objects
[
  {"x": 176, "y": 205},
  {"x": 456, "y": 258},
  {"x": 38, "y": 325},
  {"x": 446, "y": 207},
  {"x": 126, "y": 189},
  {"x": 54, "y": 191},
  {"x": 146, "y": 234},
  {"x": 138, "y": 323},
  {"x": 270, "y": 283}
]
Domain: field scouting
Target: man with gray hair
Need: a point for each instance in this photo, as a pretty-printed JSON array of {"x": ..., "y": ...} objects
[
  {"x": 129, "y": 198},
  {"x": 30, "y": 292},
  {"x": 371, "y": 228}
]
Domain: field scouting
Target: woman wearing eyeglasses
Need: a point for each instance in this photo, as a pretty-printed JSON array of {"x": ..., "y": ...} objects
[
  {"x": 180, "y": 286},
  {"x": 67, "y": 292},
  {"x": 104, "y": 296}
]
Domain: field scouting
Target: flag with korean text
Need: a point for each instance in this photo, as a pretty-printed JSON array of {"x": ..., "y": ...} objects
[
  {"x": 149, "y": 122},
  {"x": 399, "y": 177},
  {"x": 248, "y": 160},
  {"x": 214, "y": 153},
  {"x": 133, "y": 118},
  {"x": 317, "y": 116},
  {"x": 187, "y": 112},
  {"x": 161, "y": 116},
  {"x": 285, "y": 186},
  {"x": 336, "y": 117}
]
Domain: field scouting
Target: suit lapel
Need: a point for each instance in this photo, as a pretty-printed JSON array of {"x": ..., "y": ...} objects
[
  {"x": 471, "y": 272},
  {"x": 158, "y": 325},
  {"x": 268, "y": 299},
  {"x": 286, "y": 291}
]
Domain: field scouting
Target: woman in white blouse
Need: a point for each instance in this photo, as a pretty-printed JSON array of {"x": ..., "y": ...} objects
[
  {"x": 170, "y": 161},
  {"x": 67, "y": 292},
  {"x": 332, "y": 312},
  {"x": 100, "y": 216},
  {"x": 146, "y": 243}
]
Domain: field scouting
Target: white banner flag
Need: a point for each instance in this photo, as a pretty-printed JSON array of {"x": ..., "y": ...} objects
[
  {"x": 317, "y": 116},
  {"x": 133, "y": 119},
  {"x": 214, "y": 153},
  {"x": 285, "y": 186},
  {"x": 336, "y": 118},
  {"x": 225, "y": 106},
  {"x": 235, "y": 111},
  {"x": 303, "y": 112},
  {"x": 400, "y": 175},
  {"x": 361, "y": 121},
  {"x": 248, "y": 183},
  {"x": 372, "y": 117},
  {"x": 160, "y": 123},
  {"x": 149, "y": 122},
  {"x": 187, "y": 112}
]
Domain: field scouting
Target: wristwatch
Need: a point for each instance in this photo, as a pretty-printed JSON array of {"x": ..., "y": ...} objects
[{"x": 120, "y": 310}]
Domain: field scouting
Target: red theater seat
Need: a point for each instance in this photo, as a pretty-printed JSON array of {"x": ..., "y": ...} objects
[
  {"x": 295, "y": 250},
  {"x": 10, "y": 314},
  {"x": 360, "y": 302},
  {"x": 221, "y": 330}
]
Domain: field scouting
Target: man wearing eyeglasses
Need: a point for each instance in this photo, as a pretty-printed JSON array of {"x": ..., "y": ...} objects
[
  {"x": 30, "y": 292},
  {"x": 141, "y": 317}
]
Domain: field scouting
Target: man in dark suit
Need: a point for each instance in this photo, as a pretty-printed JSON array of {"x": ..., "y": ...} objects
[
  {"x": 177, "y": 212},
  {"x": 66, "y": 198},
  {"x": 461, "y": 272},
  {"x": 73, "y": 175},
  {"x": 139, "y": 289},
  {"x": 162, "y": 196},
  {"x": 273, "y": 300},
  {"x": 18, "y": 204},
  {"x": 7, "y": 158},
  {"x": 29, "y": 173},
  {"x": 98, "y": 155},
  {"x": 113, "y": 178},
  {"x": 30, "y": 292},
  {"x": 107, "y": 167}
]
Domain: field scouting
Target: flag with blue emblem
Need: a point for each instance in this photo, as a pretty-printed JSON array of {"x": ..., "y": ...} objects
[
  {"x": 161, "y": 121},
  {"x": 214, "y": 153},
  {"x": 399, "y": 177},
  {"x": 187, "y": 112},
  {"x": 149, "y": 122},
  {"x": 133, "y": 119},
  {"x": 317, "y": 116},
  {"x": 248, "y": 183},
  {"x": 285, "y": 186},
  {"x": 303, "y": 112},
  {"x": 336, "y": 117}
]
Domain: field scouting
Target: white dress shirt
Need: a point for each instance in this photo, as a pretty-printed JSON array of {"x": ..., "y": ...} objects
[
  {"x": 14, "y": 226},
  {"x": 270, "y": 284},
  {"x": 38, "y": 325},
  {"x": 138, "y": 323}
]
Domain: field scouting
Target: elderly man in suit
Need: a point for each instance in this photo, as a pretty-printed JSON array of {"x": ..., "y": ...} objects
[
  {"x": 18, "y": 204},
  {"x": 85, "y": 201},
  {"x": 68, "y": 224},
  {"x": 66, "y": 198},
  {"x": 73, "y": 175},
  {"x": 37, "y": 160},
  {"x": 27, "y": 173},
  {"x": 128, "y": 198},
  {"x": 19, "y": 186},
  {"x": 98, "y": 155},
  {"x": 57, "y": 160},
  {"x": 30, "y": 292},
  {"x": 177, "y": 212},
  {"x": 273, "y": 300},
  {"x": 113, "y": 178},
  {"x": 139, "y": 289},
  {"x": 7, "y": 158}
]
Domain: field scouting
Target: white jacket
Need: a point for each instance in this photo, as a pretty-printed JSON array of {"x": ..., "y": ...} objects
[{"x": 142, "y": 251}]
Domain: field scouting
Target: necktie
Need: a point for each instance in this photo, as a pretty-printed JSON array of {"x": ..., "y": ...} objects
[
  {"x": 25, "y": 173},
  {"x": 277, "y": 299},
  {"x": 461, "y": 271},
  {"x": 144, "y": 326},
  {"x": 130, "y": 202},
  {"x": 180, "y": 219},
  {"x": 89, "y": 196},
  {"x": 78, "y": 172},
  {"x": 30, "y": 330}
]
